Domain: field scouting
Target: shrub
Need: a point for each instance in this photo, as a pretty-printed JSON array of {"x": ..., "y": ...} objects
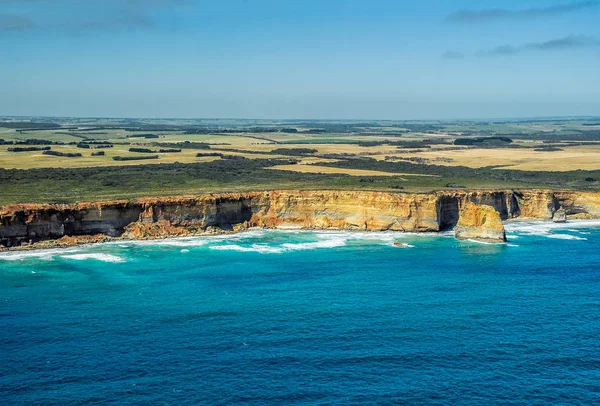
[
  {"x": 179, "y": 145},
  {"x": 201, "y": 154},
  {"x": 482, "y": 140},
  {"x": 27, "y": 149},
  {"x": 33, "y": 141},
  {"x": 65, "y": 154},
  {"x": 141, "y": 150},
  {"x": 294, "y": 151},
  {"x": 134, "y": 158}
]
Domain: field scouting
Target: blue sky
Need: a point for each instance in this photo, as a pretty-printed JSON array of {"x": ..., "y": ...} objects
[{"x": 376, "y": 59}]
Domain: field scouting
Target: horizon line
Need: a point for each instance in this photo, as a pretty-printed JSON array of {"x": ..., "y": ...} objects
[{"x": 573, "y": 117}]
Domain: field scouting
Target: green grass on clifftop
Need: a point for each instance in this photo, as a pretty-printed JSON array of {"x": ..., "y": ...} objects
[{"x": 54, "y": 185}]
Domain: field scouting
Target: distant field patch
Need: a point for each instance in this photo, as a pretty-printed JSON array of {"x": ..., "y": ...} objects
[
  {"x": 525, "y": 159},
  {"x": 333, "y": 170}
]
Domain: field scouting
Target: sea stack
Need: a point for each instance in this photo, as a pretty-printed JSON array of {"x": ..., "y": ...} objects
[
  {"x": 480, "y": 222},
  {"x": 560, "y": 215}
]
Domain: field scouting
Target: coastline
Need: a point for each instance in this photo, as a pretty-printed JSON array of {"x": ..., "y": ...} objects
[
  {"x": 475, "y": 214},
  {"x": 535, "y": 226}
]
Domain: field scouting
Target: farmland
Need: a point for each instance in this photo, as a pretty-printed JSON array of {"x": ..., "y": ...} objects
[{"x": 152, "y": 157}]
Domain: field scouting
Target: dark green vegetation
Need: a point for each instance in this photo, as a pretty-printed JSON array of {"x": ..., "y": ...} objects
[
  {"x": 65, "y": 154},
  {"x": 30, "y": 125},
  {"x": 149, "y": 151},
  {"x": 141, "y": 150},
  {"x": 477, "y": 176},
  {"x": 551, "y": 128},
  {"x": 185, "y": 144},
  {"x": 128, "y": 182},
  {"x": 482, "y": 141},
  {"x": 94, "y": 144},
  {"x": 28, "y": 149},
  {"x": 402, "y": 144},
  {"x": 134, "y": 158},
  {"x": 28, "y": 142},
  {"x": 36, "y": 141},
  {"x": 294, "y": 151},
  {"x": 203, "y": 154},
  {"x": 402, "y": 147}
]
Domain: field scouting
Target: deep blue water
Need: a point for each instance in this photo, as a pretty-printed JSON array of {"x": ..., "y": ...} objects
[{"x": 307, "y": 318}]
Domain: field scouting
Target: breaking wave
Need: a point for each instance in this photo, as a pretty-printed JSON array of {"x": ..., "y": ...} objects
[
  {"x": 549, "y": 229},
  {"x": 98, "y": 257},
  {"x": 566, "y": 237},
  {"x": 261, "y": 249},
  {"x": 47, "y": 255},
  {"x": 63, "y": 253},
  {"x": 331, "y": 242}
]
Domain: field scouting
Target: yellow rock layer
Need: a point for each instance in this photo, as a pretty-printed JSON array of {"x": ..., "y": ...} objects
[
  {"x": 480, "y": 222},
  {"x": 355, "y": 210}
]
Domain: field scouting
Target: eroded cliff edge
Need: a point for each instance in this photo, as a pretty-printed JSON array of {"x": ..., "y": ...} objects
[
  {"x": 481, "y": 222},
  {"x": 352, "y": 210}
]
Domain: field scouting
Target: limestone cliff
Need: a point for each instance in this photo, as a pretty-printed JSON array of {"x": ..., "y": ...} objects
[
  {"x": 358, "y": 210},
  {"x": 345, "y": 210},
  {"x": 480, "y": 222}
]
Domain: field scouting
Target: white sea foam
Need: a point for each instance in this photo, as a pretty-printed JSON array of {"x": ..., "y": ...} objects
[
  {"x": 196, "y": 241},
  {"x": 252, "y": 241},
  {"x": 261, "y": 249},
  {"x": 98, "y": 257},
  {"x": 545, "y": 227},
  {"x": 566, "y": 237},
  {"x": 329, "y": 243},
  {"x": 403, "y": 245},
  {"x": 485, "y": 242},
  {"x": 171, "y": 242},
  {"x": 47, "y": 255},
  {"x": 326, "y": 240},
  {"x": 549, "y": 229}
]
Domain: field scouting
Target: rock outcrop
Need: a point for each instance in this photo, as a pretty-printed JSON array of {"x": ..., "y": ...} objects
[
  {"x": 352, "y": 210},
  {"x": 480, "y": 222},
  {"x": 560, "y": 215}
]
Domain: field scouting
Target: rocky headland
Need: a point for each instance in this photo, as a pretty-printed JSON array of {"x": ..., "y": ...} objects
[
  {"x": 480, "y": 222},
  {"x": 472, "y": 214}
]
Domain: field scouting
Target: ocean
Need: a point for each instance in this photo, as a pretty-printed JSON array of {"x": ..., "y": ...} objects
[{"x": 306, "y": 317}]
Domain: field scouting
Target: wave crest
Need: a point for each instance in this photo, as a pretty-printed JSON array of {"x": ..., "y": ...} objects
[{"x": 98, "y": 257}]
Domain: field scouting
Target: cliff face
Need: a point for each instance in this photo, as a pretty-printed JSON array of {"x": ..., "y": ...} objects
[
  {"x": 480, "y": 222},
  {"x": 345, "y": 210},
  {"x": 176, "y": 216}
]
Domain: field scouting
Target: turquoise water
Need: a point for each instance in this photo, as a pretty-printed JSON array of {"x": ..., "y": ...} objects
[{"x": 306, "y": 317}]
